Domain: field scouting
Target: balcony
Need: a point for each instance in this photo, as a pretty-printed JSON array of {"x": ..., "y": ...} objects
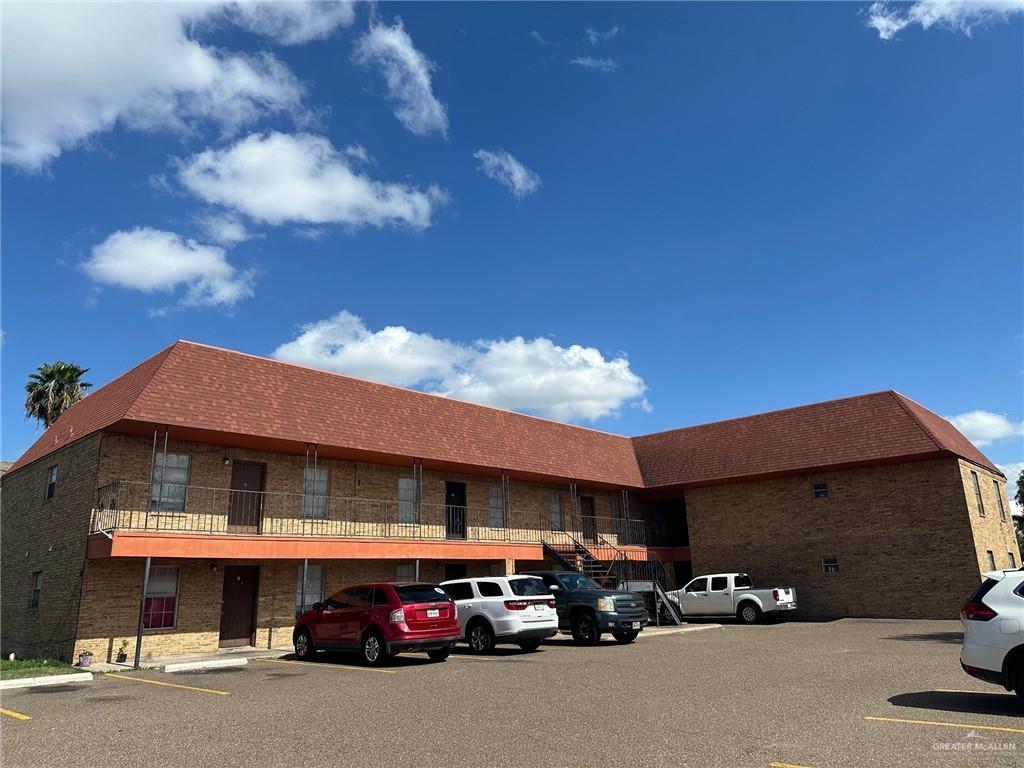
[{"x": 134, "y": 507}]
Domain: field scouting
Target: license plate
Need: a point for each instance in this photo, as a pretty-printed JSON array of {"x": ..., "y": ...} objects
[
  {"x": 538, "y": 607},
  {"x": 636, "y": 625},
  {"x": 433, "y": 613}
]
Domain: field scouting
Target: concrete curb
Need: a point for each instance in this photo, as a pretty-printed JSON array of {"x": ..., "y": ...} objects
[
  {"x": 192, "y": 666},
  {"x": 35, "y": 682},
  {"x": 659, "y": 632}
]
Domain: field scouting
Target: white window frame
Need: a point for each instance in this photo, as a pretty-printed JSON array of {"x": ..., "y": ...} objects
[
  {"x": 314, "y": 587},
  {"x": 406, "y": 512},
  {"x": 158, "y": 499},
  {"x": 316, "y": 487}
]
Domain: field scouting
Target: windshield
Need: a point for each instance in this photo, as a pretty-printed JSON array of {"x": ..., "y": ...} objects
[
  {"x": 421, "y": 593},
  {"x": 528, "y": 587},
  {"x": 574, "y": 581}
]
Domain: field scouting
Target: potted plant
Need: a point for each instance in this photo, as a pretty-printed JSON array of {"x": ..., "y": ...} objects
[
  {"x": 85, "y": 659},
  {"x": 122, "y": 653}
]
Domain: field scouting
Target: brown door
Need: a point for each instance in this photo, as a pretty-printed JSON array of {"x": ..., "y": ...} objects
[
  {"x": 245, "y": 506},
  {"x": 589, "y": 522},
  {"x": 238, "y": 605}
]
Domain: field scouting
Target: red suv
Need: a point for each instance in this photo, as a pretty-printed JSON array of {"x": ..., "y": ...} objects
[{"x": 380, "y": 620}]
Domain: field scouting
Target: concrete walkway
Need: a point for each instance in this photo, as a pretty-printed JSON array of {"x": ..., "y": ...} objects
[{"x": 155, "y": 662}]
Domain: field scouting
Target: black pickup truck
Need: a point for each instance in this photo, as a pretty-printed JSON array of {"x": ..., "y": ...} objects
[{"x": 587, "y": 610}]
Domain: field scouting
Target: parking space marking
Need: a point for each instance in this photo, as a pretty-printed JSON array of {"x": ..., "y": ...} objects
[
  {"x": 15, "y": 715},
  {"x": 169, "y": 685},
  {"x": 787, "y": 765},
  {"x": 966, "y": 726},
  {"x": 984, "y": 693},
  {"x": 327, "y": 666}
]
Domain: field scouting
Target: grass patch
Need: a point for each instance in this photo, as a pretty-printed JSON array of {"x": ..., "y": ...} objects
[{"x": 33, "y": 668}]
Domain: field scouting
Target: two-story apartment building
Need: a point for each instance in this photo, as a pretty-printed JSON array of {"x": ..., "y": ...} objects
[{"x": 208, "y": 495}]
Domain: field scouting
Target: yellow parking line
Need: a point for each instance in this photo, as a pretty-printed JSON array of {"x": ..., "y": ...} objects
[
  {"x": 965, "y": 726},
  {"x": 787, "y": 765},
  {"x": 15, "y": 715},
  {"x": 169, "y": 685},
  {"x": 326, "y": 666}
]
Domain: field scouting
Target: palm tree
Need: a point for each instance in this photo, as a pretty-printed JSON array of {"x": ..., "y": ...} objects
[{"x": 54, "y": 388}]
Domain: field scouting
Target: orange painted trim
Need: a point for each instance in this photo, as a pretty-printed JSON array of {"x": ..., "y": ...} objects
[
  {"x": 234, "y": 547},
  {"x": 672, "y": 554}
]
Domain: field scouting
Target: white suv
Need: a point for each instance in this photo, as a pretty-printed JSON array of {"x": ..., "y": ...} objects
[
  {"x": 993, "y": 620},
  {"x": 503, "y": 609}
]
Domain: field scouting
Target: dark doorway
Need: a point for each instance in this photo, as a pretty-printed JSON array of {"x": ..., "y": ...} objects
[
  {"x": 588, "y": 519},
  {"x": 238, "y": 605},
  {"x": 454, "y": 571},
  {"x": 245, "y": 506},
  {"x": 668, "y": 526},
  {"x": 455, "y": 510}
]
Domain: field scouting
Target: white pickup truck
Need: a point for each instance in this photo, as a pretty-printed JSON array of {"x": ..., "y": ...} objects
[{"x": 732, "y": 594}]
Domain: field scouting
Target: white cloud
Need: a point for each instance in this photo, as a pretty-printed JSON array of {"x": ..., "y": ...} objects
[
  {"x": 291, "y": 22},
  {"x": 407, "y": 73},
  {"x": 539, "y": 38},
  {"x": 984, "y": 427},
  {"x": 499, "y": 165},
  {"x": 601, "y": 65},
  {"x": 73, "y": 70},
  {"x": 1012, "y": 471},
  {"x": 224, "y": 228},
  {"x": 594, "y": 37},
  {"x": 572, "y": 383},
  {"x": 279, "y": 178},
  {"x": 965, "y": 16},
  {"x": 152, "y": 260}
]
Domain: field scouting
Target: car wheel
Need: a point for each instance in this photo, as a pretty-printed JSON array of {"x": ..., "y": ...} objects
[
  {"x": 529, "y": 645},
  {"x": 480, "y": 637},
  {"x": 375, "y": 650},
  {"x": 749, "y": 613},
  {"x": 625, "y": 637},
  {"x": 584, "y": 630},
  {"x": 304, "y": 648},
  {"x": 440, "y": 654}
]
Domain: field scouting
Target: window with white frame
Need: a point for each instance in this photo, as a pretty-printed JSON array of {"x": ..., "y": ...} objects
[
  {"x": 314, "y": 591},
  {"x": 617, "y": 524},
  {"x": 406, "y": 500},
  {"x": 830, "y": 565},
  {"x": 161, "y": 604},
  {"x": 497, "y": 507},
  {"x": 170, "y": 482},
  {"x": 405, "y": 572},
  {"x": 999, "y": 499},
  {"x": 555, "y": 512},
  {"x": 315, "y": 483}
]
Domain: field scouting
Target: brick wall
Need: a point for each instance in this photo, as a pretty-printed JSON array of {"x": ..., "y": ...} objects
[
  {"x": 48, "y": 535},
  {"x": 992, "y": 531},
  {"x": 902, "y": 535}
]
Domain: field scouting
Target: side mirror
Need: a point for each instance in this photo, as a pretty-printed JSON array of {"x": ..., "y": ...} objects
[
  {"x": 318, "y": 607},
  {"x": 554, "y": 587}
]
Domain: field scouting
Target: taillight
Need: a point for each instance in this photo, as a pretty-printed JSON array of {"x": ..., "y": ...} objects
[
  {"x": 517, "y": 605},
  {"x": 552, "y": 604},
  {"x": 977, "y": 611},
  {"x": 397, "y": 617},
  {"x": 775, "y": 594}
]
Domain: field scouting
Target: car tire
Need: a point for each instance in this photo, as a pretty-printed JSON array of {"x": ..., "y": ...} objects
[
  {"x": 305, "y": 650},
  {"x": 584, "y": 630},
  {"x": 375, "y": 649},
  {"x": 1017, "y": 676},
  {"x": 529, "y": 645},
  {"x": 440, "y": 654},
  {"x": 749, "y": 613},
  {"x": 625, "y": 637},
  {"x": 480, "y": 637}
]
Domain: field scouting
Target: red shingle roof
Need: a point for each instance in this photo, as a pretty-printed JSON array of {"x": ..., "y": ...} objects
[{"x": 205, "y": 388}]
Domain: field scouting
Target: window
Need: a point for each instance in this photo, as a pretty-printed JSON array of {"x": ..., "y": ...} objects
[
  {"x": 315, "y": 484},
  {"x": 405, "y": 572},
  {"x": 161, "y": 598},
  {"x": 1012, "y": 559},
  {"x": 617, "y": 514},
  {"x": 999, "y": 500},
  {"x": 358, "y": 597},
  {"x": 819, "y": 490},
  {"x": 528, "y": 586},
  {"x": 555, "y": 512},
  {"x": 497, "y": 569},
  {"x": 420, "y": 593},
  {"x": 51, "y": 481},
  {"x": 37, "y": 589},
  {"x": 380, "y": 597},
  {"x": 697, "y": 585},
  {"x": 497, "y": 506},
  {"x": 406, "y": 500},
  {"x": 991, "y": 559},
  {"x": 742, "y": 581},
  {"x": 170, "y": 481},
  {"x": 489, "y": 589},
  {"x": 977, "y": 493},
  {"x": 719, "y": 583},
  {"x": 460, "y": 590},
  {"x": 314, "y": 592},
  {"x": 830, "y": 565}
]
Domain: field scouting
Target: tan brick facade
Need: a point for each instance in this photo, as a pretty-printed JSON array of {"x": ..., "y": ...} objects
[
  {"x": 906, "y": 542},
  {"x": 992, "y": 524}
]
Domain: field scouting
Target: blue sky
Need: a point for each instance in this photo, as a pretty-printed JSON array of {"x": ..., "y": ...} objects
[{"x": 687, "y": 213}]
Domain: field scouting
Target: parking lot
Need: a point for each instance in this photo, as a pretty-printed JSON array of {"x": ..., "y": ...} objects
[{"x": 841, "y": 693}]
